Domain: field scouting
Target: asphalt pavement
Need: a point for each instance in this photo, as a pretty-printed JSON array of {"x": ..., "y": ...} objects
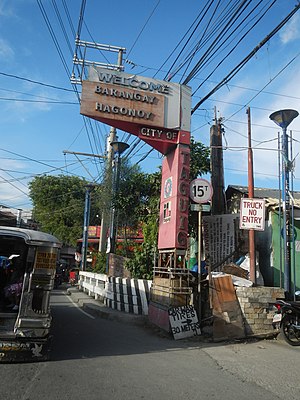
[
  {"x": 97, "y": 308},
  {"x": 100, "y": 310}
]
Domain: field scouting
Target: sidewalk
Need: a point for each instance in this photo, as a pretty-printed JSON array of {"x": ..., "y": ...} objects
[{"x": 98, "y": 309}]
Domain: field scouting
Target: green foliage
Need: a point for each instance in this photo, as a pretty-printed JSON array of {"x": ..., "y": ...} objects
[
  {"x": 141, "y": 264},
  {"x": 100, "y": 262},
  {"x": 199, "y": 165},
  {"x": 58, "y": 205},
  {"x": 135, "y": 193},
  {"x": 138, "y": 203},
  {"x": 124, "y": 249},
  {"x": 200, "y": 161},
  {"x": 142, "y": 199},
  {"x": 150, "y": 228}
]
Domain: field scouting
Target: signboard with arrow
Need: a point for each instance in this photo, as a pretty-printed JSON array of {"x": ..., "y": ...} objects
[{"x": 184, "y": 322}]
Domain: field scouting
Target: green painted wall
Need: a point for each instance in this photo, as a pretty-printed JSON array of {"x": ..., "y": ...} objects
[{"x": 295, "y": 251}]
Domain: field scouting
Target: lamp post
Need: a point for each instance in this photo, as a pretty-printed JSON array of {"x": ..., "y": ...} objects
[
  {"x": 119, "y": 148},
  {"x": 86, "y": 223},
  {"x": 283, "y": 118}
]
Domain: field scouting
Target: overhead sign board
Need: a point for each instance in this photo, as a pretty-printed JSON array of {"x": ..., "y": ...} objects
[
  {"x": 106, "y": 101},
  {"x": 200, "y": 190},
  {"x": 158, "y": 112},
  {"x": 252, "y": 214}
]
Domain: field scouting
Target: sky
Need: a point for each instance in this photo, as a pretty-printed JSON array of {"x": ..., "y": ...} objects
[{"x": 40, "y": 112}]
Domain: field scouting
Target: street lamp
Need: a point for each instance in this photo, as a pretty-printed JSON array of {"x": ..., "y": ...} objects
[
  {"x": 283, "y": 118},
  {"x": 119, "y": 148},
  {"x": 85, "y": 237}
]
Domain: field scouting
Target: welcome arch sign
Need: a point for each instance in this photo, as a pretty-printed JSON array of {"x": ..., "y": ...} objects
[{"x": 159, "y": 113}]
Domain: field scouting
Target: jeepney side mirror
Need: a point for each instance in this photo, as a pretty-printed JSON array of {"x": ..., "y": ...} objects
[{"x": 297, "y": 295}]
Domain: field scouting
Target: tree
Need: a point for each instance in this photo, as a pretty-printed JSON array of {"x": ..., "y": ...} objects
[
  {"x": 58, "y": 201},
  {"x": 138, "y": 196},
  {"x": 139, "y": 193},
  {"x": 144, "y": 192},
  {"x": 199, "y": 165},
  {"x": 137, "y": 202},
  {"x": 200, "y": 159},
  {"x": 130, "y": 194},
  {"x": 58, "y": 205}
]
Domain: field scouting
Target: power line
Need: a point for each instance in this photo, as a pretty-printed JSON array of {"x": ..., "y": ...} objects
[
  {"x": 271, "y": 80},
  {"x": 54, "y": 38},
  {"x": 32, "y": 175},
  {"x": 144, "y": 26},
  {"x": 35, "y": 161},
  {"x": 69, "y": 18},
  {"x": 235, "y": 14},
  {"x": 38, "y": 101},
  {"x": 36, "y": 82},
  {"x": 241, "y": 64},
  {"x": 62, "y": 25},
  {"x": 189, "y": 60},
  {"x": 240, "y": 39},
  {"x": 199, "y": 18},
  {"x": 14, "y": 186}
]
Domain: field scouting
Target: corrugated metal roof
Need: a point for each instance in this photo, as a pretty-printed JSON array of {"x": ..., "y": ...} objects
[{"x": 271, "y": 196}]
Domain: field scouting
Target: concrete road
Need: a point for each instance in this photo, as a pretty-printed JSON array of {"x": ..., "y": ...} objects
[{"x": 101, "y": 358}]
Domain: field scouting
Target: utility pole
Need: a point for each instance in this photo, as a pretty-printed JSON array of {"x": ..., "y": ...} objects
[
  {"x": 86, "y": 223},
  {"x": 83, "y": 63},
  {"x": 105, "y": 220},
  {"x": 251, "y": 238},
  {"x": 119, "y": 148},
  {"x": 283, "y": 118},
  {"x": 83, "y": 154},
  {"x": 87, "y": 204},
  {"x": 108, "y": 189},
  {"x": 218, "y": 205}
]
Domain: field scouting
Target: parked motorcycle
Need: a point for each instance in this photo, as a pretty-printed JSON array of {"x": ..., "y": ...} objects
[{"x": 287, "y": 320}]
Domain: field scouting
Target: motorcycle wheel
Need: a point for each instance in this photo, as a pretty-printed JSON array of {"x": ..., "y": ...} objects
[{"x": 290, "y": 334}]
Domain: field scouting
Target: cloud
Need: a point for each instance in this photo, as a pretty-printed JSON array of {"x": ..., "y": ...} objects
[
  {"x": 6, "y": 52},
  {"x": 264, "y": 131},
  {"x": 291, "y": 31},
  {"x": 13, "y": 183},
  {"x": 5, "y": 9}
]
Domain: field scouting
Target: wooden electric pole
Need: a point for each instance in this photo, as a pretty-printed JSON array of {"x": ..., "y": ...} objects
[{"x": 218, "y": 203}]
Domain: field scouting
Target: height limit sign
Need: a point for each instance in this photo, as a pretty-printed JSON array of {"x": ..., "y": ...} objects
[
  {"x": 200, "y": 190},
  {"x": 252, "y": 214}
]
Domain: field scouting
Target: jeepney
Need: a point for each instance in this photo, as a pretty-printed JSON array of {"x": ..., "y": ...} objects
[{"x": 28, "y": 260}]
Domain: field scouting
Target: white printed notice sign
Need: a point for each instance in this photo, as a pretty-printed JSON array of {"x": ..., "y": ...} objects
[{"x": 184, "y": 322}]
